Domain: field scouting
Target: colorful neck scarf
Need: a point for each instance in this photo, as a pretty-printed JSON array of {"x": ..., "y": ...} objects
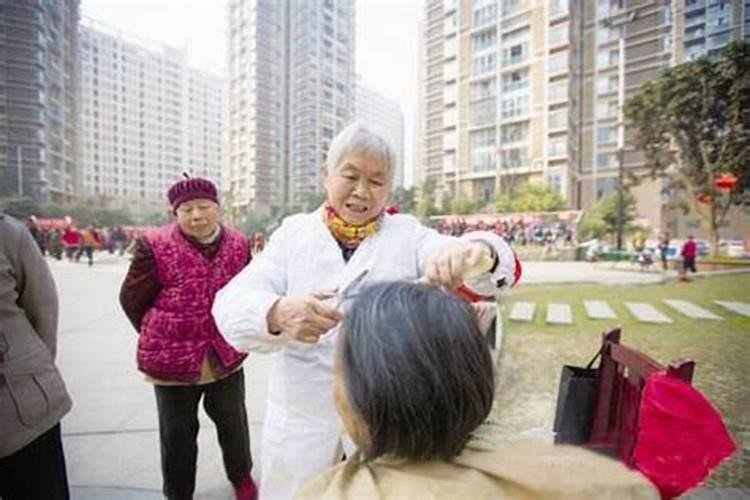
[{"x": 349, "y": 235}]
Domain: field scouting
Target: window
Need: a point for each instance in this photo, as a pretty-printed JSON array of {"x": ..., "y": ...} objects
[
  {"x": 485, "y": 15},
  {"x": 606, "y": 160},
  {"x": 515, "y": 46},
  {"x": 557, "y": 91},
  {"x": 518, "y": 132},
  {"x": 557, "y": 148},
  {"x": 516, "y": 80},
  {"x": 513, "y": 158},
  {"x": 558, "y": 62},
  {"x": 554, "y": 180},
  {"x": 606, "y": 135},
  {"x": 482, "y": 139},
  {"x": 484, "y": 40},
  {"x": 483, "y": 112},
  {"x": 511, "y": 7},
  {"x": 514, "y": 106},
  {"x": 606, "y": 83},
  {"x": 557, "y": 6},
  {"x": 607, "y": 57},
  {"x": 558, "y": 119},
  {"x": 515, "y": 54},
  {"x": 605, "y": 185},
  {"x": 482, "y": 90},
  {"x": 558, "y": 33},
  {"x": 483, "y": 64},
  {"x": 606, "y": 109}
]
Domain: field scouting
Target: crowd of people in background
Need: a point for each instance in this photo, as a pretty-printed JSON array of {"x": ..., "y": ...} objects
[
  {"x": 71, "y": 242},
  {"x": 517, "y": 231}
]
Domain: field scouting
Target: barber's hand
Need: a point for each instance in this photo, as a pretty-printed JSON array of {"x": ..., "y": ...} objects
[
  {"x": 451, "y": 266},
  {"x": 304, "y": 317}
]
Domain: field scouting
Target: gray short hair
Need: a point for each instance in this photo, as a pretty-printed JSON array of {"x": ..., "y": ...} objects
[{"x": 356, "y": 138}]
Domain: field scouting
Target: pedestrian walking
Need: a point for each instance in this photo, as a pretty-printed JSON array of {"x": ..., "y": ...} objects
[
  {"x": 33, "y": 398},
  {"x": 688, "y": 253},
  {"x": 167, "y": 295},
  {"x": 664, "y": 250}
]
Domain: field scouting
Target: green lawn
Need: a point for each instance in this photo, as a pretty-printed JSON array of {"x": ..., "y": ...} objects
[{"x": 534, "y": 352}]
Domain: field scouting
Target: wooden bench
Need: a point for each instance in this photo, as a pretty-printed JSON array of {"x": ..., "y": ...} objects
[{"x": 621, "y": 380}]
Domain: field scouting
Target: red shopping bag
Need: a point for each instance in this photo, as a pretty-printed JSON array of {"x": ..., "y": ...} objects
[{"x": 681, "y": 436}]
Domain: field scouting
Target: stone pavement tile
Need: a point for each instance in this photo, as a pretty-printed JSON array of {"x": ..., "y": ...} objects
[
  {"x": 559, "y": 314},
  {"x": 598, "y": 309},
  {"x": 738, "y": 307},
  {"x": 102, "y": 493},
  {"x": 647, "y": 313},
  {"x": 522, "y": 311},
  {"x": 691, "y": 310},
  {"x": 717, "y": 494}
]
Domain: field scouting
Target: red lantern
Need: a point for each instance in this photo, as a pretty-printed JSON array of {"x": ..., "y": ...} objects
[
  {"x": 726, "y": 182},
  {"x": 704, "y": 198}
]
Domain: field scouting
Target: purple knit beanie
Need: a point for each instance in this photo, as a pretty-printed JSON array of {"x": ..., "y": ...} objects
[{"x": 191, "y": 188}]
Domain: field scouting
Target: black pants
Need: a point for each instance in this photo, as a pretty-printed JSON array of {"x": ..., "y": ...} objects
[
  {"x": 224, "y": 402},
  {"x": 689, "y": 263},
  {"x": 36, "y": 471}
]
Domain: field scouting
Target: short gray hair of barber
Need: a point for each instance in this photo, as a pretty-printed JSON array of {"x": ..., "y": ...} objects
[{"x": 356, "y": 138}]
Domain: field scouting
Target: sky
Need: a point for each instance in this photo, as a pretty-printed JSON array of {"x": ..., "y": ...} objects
[{"x": 386, "y": 41}]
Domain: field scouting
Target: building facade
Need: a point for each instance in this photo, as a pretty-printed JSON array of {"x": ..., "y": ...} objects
[
  {"x": 530, "y": 90},
  {"x": 291, "y": 89},
  {"x": 147, "y": 117},
  {"x": 39, "y": 89},
  {"x": 383, "y": 116}
]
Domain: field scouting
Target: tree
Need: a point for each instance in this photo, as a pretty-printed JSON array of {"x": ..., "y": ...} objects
[
  {"x": 426, "y": 203},
  {"x": 462, "y": 205},
  {"x": 600, "y": 221},
  {"x": 693, "y": 124},
  {"x": 404, "y": 199},
  {"x": 536, "y": 198}
]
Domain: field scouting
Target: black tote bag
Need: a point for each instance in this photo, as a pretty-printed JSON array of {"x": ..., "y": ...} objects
[{"x": 576, "y": 400}]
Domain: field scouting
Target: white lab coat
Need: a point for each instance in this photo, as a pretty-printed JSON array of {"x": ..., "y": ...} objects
[{"x": 302, "y": 434}]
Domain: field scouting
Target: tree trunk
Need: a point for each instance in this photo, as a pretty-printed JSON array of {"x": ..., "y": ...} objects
[{"x": 714, "y": 231}]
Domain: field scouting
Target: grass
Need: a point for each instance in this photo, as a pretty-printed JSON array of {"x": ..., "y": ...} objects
[{"x": 534, "y": 352}]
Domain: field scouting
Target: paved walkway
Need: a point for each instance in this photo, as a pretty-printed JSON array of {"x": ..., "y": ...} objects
[{"x": 560, "y": 314}]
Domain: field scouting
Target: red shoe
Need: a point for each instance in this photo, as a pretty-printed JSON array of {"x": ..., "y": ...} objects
[{"x": 246, "y": 489}]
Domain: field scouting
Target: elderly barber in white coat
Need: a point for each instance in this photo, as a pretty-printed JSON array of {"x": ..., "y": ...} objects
[{"x": 287, "y": 299}]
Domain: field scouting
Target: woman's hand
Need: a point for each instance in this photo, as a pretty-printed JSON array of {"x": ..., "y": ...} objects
[
  {"x": 303, "y": 317},
  {"x": 452, "y": 265}
]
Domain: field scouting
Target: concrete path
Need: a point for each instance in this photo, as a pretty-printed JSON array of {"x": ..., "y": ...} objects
[
  {"x": 691, "y": 310},
  {"x": 647, "y": 313},
  {"x": 522, "y": 311},
  {"x": 110, "y": 436},
  {"x": 737, "y": 307},
  {"x": 598, "y": 309},
  {"x": 559, "y": 314}
]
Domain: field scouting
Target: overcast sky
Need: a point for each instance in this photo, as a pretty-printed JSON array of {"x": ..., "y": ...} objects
[{"x": 386, "y": 36}]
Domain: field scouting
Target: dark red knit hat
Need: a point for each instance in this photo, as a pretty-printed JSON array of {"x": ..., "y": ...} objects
[{"x": 190, "y": 189}]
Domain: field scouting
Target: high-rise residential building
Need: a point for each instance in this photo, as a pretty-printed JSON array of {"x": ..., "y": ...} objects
[
  {"x": 529, "y": 90},
  {"x": 39, "y": 135},
  {"x": 147, "y": 117},
  {"x": 291, "y": 89},
  {"x": 384, "y": 117}
]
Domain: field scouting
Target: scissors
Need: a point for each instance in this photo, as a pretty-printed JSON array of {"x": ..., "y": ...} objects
[{"x": 352, "y": 285}]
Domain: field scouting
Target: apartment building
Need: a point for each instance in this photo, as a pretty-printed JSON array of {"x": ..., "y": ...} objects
[
  {"x": 39, "y": 100},
  {"x": 291, "y": 89},
  {"x": 531, "y": 90},
  {"x": 147, "y": 117},
  {"x": 385, "y": 117}
]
